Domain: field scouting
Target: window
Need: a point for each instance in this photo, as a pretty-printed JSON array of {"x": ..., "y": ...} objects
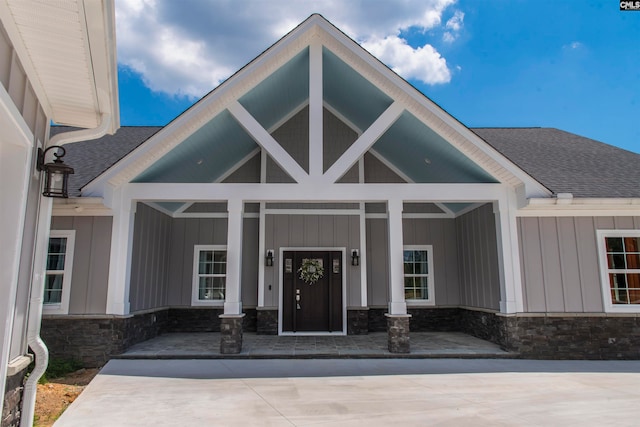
[
  {"x": 620, "y": 268},
  {"x": 418, "y": 274},
  {"x": 57, "y": 280},
  {"x": 209, "y": 275}
]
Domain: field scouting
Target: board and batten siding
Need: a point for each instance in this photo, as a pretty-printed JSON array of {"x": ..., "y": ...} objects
[
  {"x": 15, "y": 81},
  {"x": 90, "y": 263},
  {"x": 559, "y": 261},
  {"x": 478, "y": 264},
  {"x": 441, "y": 235},
  {"x": 377, "y": 262},
  {"x": 317, "y": 231},
  {"x": 149, "y": 282}
]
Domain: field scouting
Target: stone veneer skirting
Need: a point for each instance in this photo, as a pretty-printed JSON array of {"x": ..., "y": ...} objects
[
  {"x": 12, "y": 406},
  {"x": 94, "y": 340}
]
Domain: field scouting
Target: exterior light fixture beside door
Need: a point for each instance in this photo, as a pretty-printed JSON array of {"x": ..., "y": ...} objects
[
  {"x": 355, "y": 257},
  {"x": 268, "y": 259}
]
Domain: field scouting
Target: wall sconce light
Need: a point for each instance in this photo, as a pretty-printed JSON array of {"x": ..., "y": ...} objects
[
  {"x": 56, "y": 178},
  {"x": 268, "y": 260},
  {"x": 355, "y": 257}
]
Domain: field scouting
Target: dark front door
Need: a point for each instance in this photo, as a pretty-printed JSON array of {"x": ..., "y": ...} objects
[{"x": 317, "y": 306}]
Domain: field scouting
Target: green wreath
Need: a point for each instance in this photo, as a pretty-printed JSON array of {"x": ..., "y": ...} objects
[{"x": 311, "y": 270}]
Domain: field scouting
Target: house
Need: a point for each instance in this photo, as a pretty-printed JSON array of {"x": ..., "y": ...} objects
[
  {"x": 65, "y": 73},
  {"x": 317, "y": 192}
]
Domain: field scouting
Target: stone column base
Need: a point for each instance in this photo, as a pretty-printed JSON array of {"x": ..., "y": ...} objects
[
  {"x": 231, "y": 333},
  {"x": 398, "y": 333}
]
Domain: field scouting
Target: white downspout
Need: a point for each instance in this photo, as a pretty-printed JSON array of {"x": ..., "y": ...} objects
[{"x": 37, "y": 278}]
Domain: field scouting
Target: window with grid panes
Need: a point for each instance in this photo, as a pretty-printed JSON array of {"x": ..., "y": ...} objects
[
  {"x": 623, "y": 269},
  {"x": 418, "y": 273},
  {"x": 57, "y": 280},
  {"x": 210, "y": 273}
]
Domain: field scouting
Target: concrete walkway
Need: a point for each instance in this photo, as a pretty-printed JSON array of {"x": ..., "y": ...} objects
[
  {"x": 206, "y": 345},
  {"x": 360, "y": 392}
]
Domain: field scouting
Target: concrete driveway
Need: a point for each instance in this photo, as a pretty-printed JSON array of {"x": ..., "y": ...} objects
[{"x": 362, "y": 392}]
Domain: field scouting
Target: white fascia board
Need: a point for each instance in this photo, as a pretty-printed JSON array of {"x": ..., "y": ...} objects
[
  {"x": 100, "y": 29},
  {"x": 80, "y": 206},
  {"x": 549, "y": 207},
  {"x": 426, "y": 110},
  {"x": 14, "y": 128},
  {"x": 311, "y": 191}
]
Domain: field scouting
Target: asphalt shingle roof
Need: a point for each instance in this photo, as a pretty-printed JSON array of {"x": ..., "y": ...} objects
[
  {"x": 561, "y": 161},
  {"x": 568, "y": 163},
  {"x": 89, "y": 159}
]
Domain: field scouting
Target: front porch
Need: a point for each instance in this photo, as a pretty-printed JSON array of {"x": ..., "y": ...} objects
[{"x": 206, "y": 345}]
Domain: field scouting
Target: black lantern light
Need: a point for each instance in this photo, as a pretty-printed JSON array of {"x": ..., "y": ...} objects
[
  {"x": 56, "y": 178},
  {"x": 355, "y": 257},
  {"x": 268, "y": 260}
]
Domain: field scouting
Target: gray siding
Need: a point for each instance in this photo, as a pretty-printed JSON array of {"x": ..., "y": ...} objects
[
  {"x": 312, "y": 231},
  {"x": 441, "y": 234},
  {"x": 250, "y": 260},
  {"x": 337, "y": 138},
  {"x": 16, "y": 83},
  {"x": 293, "y": 136},
  {"x": 90, "y": 264},
  {"x": 478, "y": 259},
  {"x": 559, "y": 259},
  {"x": 247, "y": 173},
  {"x": 149, "y": 259},
  {"x": 377, "y": 262},
  {"x": 185, "y": 234},
  {"x": 376, "y": 171}
]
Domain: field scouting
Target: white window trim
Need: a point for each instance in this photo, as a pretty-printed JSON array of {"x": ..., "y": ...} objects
[
  {"x": 604, "y": 271},
  {"x": 430, "y": 281},
  {"x": 63, "y": 306},
  {"x": 195, "y": 301}
]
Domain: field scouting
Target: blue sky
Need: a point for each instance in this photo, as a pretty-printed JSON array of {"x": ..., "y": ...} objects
[{"x": 573, "y": 65}]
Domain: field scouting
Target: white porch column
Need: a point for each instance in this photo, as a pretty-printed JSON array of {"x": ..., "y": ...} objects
[
  {"x": 233, "y": 303},
  {"x": 120, "y": 257},
  {"x": 397, "y": 304},
  {"x": 508, "y": 253}
]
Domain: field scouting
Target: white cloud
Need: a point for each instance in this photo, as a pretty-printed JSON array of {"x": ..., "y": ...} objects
[
  {"x": 189, "y": 47},
  {"x": 453, "y": 25},
  {"x": 424, "y": 63}
]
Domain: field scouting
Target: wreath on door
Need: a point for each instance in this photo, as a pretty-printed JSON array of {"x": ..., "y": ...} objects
[{"x": 311, "y": 270}]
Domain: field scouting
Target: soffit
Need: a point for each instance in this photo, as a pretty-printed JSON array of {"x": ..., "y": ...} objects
[{"x": 68, "y": 50}]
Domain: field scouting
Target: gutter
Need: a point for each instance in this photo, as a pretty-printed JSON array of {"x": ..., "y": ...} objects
[{"x": 38, "y": 274}]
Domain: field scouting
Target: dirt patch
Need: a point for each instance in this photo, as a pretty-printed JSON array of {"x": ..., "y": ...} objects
[{"x": 53, "y": 397}]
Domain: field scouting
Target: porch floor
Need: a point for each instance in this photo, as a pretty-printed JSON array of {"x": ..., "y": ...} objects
[{"x": 206, "y": 345}]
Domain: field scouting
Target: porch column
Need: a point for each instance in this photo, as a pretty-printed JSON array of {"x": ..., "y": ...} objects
[
  {"x": 231, "y": 320},
  {"x": 397, "y": 318},
  {"x": 120, "y": 257},
  {"x": 508, "y": 253}
]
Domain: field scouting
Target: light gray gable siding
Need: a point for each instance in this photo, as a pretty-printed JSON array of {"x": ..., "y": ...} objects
[
  {"x": 15, "y": 81},
  {"x": 91, "y": 262},
  {"x": 478, "y": 259},
  {"x": 559, "y": 259}
]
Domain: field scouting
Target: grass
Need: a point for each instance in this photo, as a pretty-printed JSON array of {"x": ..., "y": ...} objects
[{"x": 58, "y": 368}]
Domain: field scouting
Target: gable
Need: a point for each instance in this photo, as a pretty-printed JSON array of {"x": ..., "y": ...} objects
[{"x": 279, "y": 104}]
